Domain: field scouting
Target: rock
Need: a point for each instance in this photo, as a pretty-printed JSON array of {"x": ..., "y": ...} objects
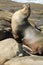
[
  {"x": 5, "y": 24},
  {"x": 8, "y": 49},
  {"x": 6, "y": 15},
  {"x": 28, "y": 60}
]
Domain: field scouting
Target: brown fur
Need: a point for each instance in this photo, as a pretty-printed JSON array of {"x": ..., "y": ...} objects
[{"x": 34, "y": 40}]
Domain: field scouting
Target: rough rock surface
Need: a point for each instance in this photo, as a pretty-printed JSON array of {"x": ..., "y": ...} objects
[
  {"x": 32, "y": 60},
  {"x": 8, "y": 49}
]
